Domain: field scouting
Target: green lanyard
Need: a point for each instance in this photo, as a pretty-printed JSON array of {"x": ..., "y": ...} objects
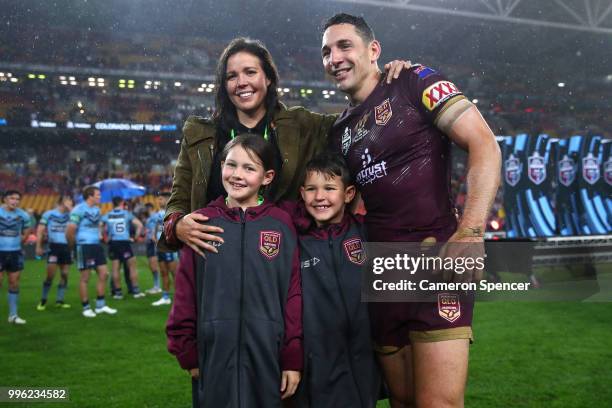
[
  {"x": 260, "y": 200},
  {"x": 265, "y": 135}
]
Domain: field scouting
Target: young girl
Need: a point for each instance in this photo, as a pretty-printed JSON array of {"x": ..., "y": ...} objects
[{"x": 236, "y": 322}]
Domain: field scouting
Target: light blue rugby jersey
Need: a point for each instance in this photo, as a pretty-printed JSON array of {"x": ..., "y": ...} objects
[
  {"x": 56, "y": 222},
  {"x": 159, "y": 223},
  {"x": 12, "y": 224},
  {"x": 87, "y": 220},
  {"x": 150, "y": 227},
  {"x": 118, "y": 222}
]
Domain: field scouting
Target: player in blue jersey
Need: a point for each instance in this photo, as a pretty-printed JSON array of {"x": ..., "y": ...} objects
[
  {"x": 15, "y": 226},
  {"x": 53, "y": 225},
  {"x": 166, "y": 260},
  {"x": 117, "y": 223},
  {"x": 84, "y": 229},
  {"x": 151, "y": 253}
]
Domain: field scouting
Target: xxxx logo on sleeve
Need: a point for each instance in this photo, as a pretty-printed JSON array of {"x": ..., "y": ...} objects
[
  {"x": 354, "y": 250},
  {"x": 269, "y": 243},
  {"x": 449, "y": 306},
  {"x": 438, "y": 93}
]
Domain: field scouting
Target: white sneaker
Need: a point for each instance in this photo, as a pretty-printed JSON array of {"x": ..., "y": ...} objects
[
  {"x": 162, "y": 301},
  {"x": 118, "y": 297},
  {"x": 106, "y": 309},
  {"x": 16, "y": 320},
  {"x": 89, "y": 313},
  {"x": 153, "y": 291},
  {"x": 139, "y": 295}
]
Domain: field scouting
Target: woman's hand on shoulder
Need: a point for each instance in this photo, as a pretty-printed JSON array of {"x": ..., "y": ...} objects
[{"x": 193, "y": 231}]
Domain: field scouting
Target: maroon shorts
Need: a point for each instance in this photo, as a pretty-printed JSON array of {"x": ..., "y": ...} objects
[{"x": 395, "y": 325}]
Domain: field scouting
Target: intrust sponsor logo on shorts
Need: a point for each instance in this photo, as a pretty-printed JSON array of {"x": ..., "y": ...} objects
[
  {"x": 449, "y": 306},
  {"x": 438, "y": 93},
  {"x": 269, "y": 243}
]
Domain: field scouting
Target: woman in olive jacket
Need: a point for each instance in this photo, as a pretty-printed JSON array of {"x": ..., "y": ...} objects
[{"x": 246, "y": 102}]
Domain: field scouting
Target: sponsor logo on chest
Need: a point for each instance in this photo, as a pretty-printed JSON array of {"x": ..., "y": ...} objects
[
  {"x": 310, "y": 262},
  {"x": 269, "y": 243},
  {"x": 371, "y": 171},
  {"x": 360, "y": 130},
  {"x": 536, "y": 168},
  {"x": 346, "y": 141}
]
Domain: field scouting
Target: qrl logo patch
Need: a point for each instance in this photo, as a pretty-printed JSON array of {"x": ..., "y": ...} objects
[
  {"x": 536, "y": 169},
  {"x": 608, "y": 171},
  {"x": 383, "y": 112},
  {"x": 513, "y": 169},
  {"x": 354, "y": 251},
  {"x": 269, "y": 243},
  {"x": 567, "y": 171},
  {"x": 449, "y": 306},
  {"x": 438, "y": 93},
  {"x": 590, "y": 169},
  {"x": 52, "y": 259}
]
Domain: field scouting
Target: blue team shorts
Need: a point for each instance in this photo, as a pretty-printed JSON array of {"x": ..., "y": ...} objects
[
  {"x": 120, "y": 250},
  {"x": 151, "y": 249},
  {"x": 90, "y": 256},
  {"x": 59, "y": 254},
  {"x": 167, "y": 256},
  {"x": 11, "y": 261}
]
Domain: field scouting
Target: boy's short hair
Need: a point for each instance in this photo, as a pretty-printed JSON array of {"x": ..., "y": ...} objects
[
  {"x": 10, "y": 193},
  {"x": 331, "y": 165}
]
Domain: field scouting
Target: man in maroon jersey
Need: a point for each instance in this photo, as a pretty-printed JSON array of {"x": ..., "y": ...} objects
[{"x": 396, "y": 139}]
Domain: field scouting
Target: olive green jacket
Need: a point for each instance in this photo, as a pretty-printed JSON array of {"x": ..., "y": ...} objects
[{"x": 301, "y": 134}]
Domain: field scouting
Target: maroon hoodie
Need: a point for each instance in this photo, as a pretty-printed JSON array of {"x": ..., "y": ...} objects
[{"x": 237, "y": 315}]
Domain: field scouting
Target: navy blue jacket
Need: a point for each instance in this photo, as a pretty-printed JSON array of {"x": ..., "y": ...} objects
[
  {"x": 340, "y": 365},
  {"x": 237, "y": 315}
]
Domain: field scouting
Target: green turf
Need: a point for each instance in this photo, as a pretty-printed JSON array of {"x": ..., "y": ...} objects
[{"x": 525, "y": 355}]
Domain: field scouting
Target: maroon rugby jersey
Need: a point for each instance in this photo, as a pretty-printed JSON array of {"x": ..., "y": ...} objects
[{"x": 399, "y": 160}]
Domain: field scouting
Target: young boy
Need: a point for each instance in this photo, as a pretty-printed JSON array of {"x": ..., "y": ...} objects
[{"x": 340, "y": 367}]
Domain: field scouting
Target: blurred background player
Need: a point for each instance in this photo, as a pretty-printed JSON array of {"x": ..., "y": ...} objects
[
  {"x": 151, "y": 255},
  {"x": 84, "y": 228},
  {"x": 15, "y": 226},
  {"x": 166, "y": 260},
  {"x": 117, "y": 224},
  {"x": 52, "y": 226}
]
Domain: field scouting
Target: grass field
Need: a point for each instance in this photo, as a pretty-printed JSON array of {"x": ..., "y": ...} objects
[{"x": 526, "y": 354}]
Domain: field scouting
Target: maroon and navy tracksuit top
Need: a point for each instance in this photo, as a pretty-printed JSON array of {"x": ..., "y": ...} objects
[
  {"x": 340, "y": 366},
  {"x": 237, "y": 314}
]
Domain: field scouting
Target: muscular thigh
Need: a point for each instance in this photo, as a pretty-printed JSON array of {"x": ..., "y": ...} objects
[
  {"x": 440, "y": 372},
  {"x": 398, "y": 372}
]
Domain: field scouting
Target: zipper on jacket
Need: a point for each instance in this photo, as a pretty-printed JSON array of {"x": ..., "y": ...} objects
[
  {"x": 241, "y": 317},
  {"x": 349, "y": 329},
  {"x": 201, "y": 167}
]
